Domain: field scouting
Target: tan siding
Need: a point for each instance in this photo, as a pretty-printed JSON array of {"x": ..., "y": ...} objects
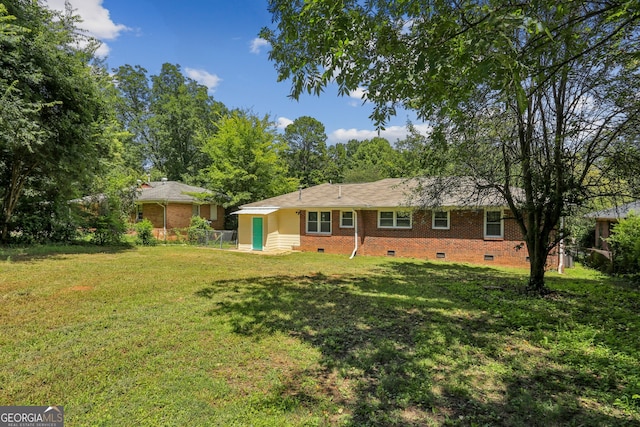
[
  {"x": 281, "y": 229},
  {"x": 283, "y": 232},
  {"x": 271, "y": 231},
  {"x": 244, "y": 232}
]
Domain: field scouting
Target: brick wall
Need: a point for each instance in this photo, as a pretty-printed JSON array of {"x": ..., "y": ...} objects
[
  {"x": 179, "y": 215},
  {"x": 464, "y": 241},
  {"x": 218, "y": 223},
  {"x": 154, "y": 213}
]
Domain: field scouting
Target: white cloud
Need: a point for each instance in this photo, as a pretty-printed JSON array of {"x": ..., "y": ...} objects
[
  {"x": 103, "y": 50},
  {"x": 96, "y": 20},
  {"x": 359, "y": 93},
  {"x": 204, "y": 77},
  {"x": 283, "y": 122},
  {"x": 391, "y": 133},
  {"x": 257, "y": 44},
  {"x": 344, "y": 135}
]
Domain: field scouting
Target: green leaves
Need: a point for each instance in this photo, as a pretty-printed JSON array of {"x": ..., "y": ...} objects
[
  {"x": 625, "y": 244},
  {"x": 245, "y": 160},
  {"x": 53, "y": 111},
  {"x": 306, "y": 153},
  {"x": 165, "y": 114}
]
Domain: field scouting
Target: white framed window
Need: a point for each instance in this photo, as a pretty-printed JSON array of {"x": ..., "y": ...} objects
[
  {"x": 213, "y": 212},
  {"x": 319, "y": 222},
  {"x": 394, "y": 219},
  {"x": 440, "y": 220},
  {"x": 493, "y": 224},
  {"x": 346, "y": 219},
  {"x": 195, "y": 211}
]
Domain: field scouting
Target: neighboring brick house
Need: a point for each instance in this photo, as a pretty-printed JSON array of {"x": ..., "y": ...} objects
[
  {"x": 378, "y": 219},
  {"x": 169, "y": 205},
  {"x": 607, "y": 218}
]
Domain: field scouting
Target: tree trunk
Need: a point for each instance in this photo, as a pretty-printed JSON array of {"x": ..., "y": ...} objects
[{"x": 537, "y": 266}]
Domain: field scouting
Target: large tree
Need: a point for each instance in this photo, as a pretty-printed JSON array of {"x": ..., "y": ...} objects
[
  {"x": 165, "y": 114},
  {"x": 132, "y": 107},
  {"x": 538, "y": 97},
  {"x": 246, "y": 160},
  {"x": 52, "y": 110},
  {"x": 306, "y": 153},
  {"x": 373, "y": 159}
]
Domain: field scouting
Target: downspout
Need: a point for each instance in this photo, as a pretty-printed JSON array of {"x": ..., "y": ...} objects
[
  {"x": 164, "y": 220},
  {"x": 355, "y": 219}
]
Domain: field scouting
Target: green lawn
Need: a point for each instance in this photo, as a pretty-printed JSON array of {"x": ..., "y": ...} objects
[{"x": 182, "y": 336}]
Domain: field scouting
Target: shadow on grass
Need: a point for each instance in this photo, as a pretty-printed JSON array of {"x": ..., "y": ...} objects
[
  {"x": 433, "y": 344},
  {"x": 37, "y": 252}
]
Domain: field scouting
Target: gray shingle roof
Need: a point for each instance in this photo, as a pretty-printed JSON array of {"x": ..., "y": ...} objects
[
  {"x": 616, "y": 212},
  {"x": 170, "y": 191},
  {"x": 386, "y": 193}
]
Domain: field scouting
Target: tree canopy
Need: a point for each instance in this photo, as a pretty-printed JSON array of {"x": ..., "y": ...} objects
[
  {"x": 52, "y": 110},
  {"x": 246, "y": 160},
  {"x": 306, "y": 152},
  {"x": 537, "y": 95},
  {"x": 165, "y": 114}
]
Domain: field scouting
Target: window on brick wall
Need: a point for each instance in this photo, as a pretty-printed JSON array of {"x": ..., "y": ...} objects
[
  {"x": 493, "y": 224},
  {"x": 213, "y": 212},
  {"x": 319, "y": 222},
  {"x": 195, "y": 210},
  {"x": 394, "y": 219},
  {"x": 346, "y": 219},
  {"x": 440, "y": 220}
]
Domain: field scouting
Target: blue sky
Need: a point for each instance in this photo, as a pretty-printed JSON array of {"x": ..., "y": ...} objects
[{"x": 216, "y": 43}]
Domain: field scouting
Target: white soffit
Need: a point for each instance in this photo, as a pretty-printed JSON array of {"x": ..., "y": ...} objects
[{"x": 255, "y": 211}]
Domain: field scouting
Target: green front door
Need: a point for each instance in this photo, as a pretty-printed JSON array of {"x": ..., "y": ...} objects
[{"x": 257, "y": 234}]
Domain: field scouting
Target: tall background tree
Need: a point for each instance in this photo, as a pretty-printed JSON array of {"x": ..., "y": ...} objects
[
  {"x": 164, "y": 115},
  {"x": 132, "y": 108},
  {"x": 247, "y": 162},
  {"x": 537, "y": 95},
  {"x": 306, "y": 153},
  {"x": 52, "y": 115},
  {"x": 371, "y": 160}
]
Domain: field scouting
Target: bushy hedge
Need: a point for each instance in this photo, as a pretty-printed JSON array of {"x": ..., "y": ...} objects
[
  {"x": 144, "y": 233},
  {"x": 625, "y": 245},
  {"x": 109, "y": 229},
  {"x": 198, "y": 229}
]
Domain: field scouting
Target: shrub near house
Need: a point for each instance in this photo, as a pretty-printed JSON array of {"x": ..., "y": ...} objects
[{"x": 625, "y": 245}]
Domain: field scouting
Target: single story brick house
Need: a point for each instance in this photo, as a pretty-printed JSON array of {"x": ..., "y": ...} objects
[
  {"x": 607, "y": 218},
  {"x": 377, "y": 218},
  {"x": 169, "y": 205}
]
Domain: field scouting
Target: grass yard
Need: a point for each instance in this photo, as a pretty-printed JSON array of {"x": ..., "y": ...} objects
[{"x": 182, "y": 336}]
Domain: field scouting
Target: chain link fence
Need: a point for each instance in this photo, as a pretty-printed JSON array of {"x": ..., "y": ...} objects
[{"x": 222, "y": 239}]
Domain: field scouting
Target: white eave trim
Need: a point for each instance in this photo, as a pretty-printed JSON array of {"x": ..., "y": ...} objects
[{"x": 255, "y": 211}]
